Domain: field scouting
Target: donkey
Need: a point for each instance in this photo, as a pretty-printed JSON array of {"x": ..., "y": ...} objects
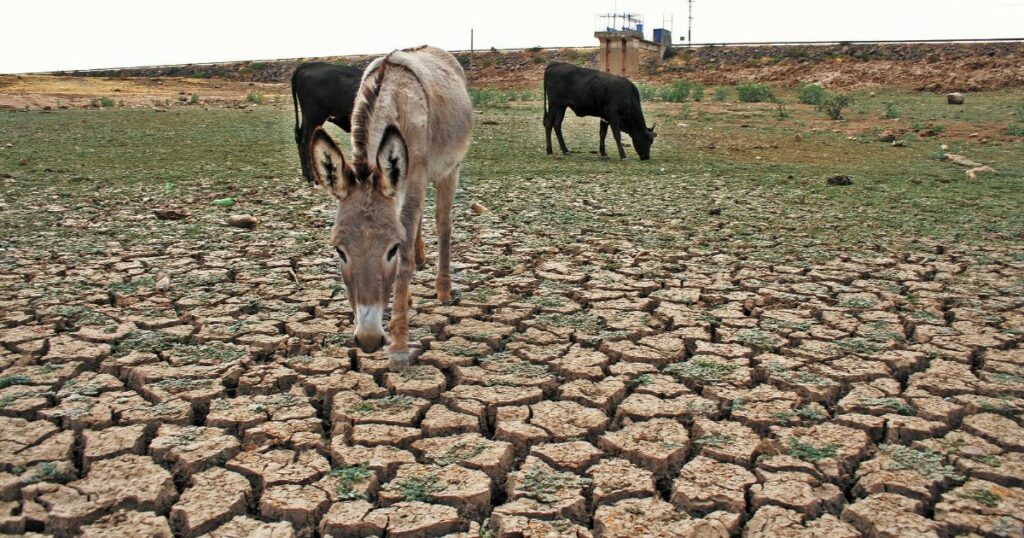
[{"x": 410, "y": 126}]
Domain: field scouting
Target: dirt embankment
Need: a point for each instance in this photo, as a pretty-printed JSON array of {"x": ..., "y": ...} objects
[{"x": 930, "y": 67}]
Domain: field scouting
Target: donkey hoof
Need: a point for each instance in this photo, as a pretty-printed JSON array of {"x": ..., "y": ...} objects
[{"x": 398, "y": 361}]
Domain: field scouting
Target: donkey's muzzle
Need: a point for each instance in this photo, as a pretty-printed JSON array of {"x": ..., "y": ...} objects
[{"x": 370, "y": 344}]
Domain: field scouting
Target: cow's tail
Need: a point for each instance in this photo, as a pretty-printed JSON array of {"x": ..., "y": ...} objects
[
  {"x": 545, "y": 92},
  {"x": 295, "y": 105}
]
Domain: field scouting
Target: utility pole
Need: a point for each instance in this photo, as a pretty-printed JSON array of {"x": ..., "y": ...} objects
[
  {"x": 689, "y": 29},
  {"x": 471, "y": 48}
]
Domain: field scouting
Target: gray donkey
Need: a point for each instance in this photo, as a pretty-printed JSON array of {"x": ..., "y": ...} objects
[{"x": 410, "y": 126}]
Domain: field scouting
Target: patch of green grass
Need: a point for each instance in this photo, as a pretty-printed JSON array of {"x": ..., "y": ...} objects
[
  {"x": 716, "y": 440},
  {"x": 858, "y": 303},
  {"x": 143, "y": 341},
  {"x": 43, "y": 472},
  {"x": 810, "y": 412},
  {"x": 418, "y": 488},
  {"x": 899, "y": 406},
  {"x": 758, "y": 339},
  {"x": 387, "y": 403},
  {"x": 925, "y": 462},
  {"x": 639, "y": 381},
  {"x": 17, "y": 379},
  {"x": 862, "y": 346},
  {"x": 1015, "y": 130},
  {"x": 677, "y": 92},
  {"x": 348, "y": 477},
  {"x": 702, "y": 369},
  {"x": 982, "y": 496},
  {"x": 461, "y": 451},
  {"x": 544, "y": 485},
  {"x": 809, "y": 452},
  {"x": 255, "y": 98}
]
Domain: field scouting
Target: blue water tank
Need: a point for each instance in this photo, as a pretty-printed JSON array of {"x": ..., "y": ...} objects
[
  {"x": 657, "y": 34},
  {"x": 640, "y": 27}
]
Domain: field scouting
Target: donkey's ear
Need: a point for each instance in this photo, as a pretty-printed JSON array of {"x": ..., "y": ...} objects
[
  {"x": 392, "y": 161},
  {"x": 330, "y": 170}
]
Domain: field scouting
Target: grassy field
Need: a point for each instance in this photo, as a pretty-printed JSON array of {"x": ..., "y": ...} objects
[{"x": 764, "y": 173}]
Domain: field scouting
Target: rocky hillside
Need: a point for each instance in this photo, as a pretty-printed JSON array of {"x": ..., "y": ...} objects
[{"x": 931, "y": 67}]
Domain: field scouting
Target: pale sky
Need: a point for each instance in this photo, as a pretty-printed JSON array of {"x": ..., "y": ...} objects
[{"x": 42, "y": 35}]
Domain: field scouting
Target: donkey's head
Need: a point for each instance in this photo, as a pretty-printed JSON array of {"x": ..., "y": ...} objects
[{"x": 367, "y": 232}]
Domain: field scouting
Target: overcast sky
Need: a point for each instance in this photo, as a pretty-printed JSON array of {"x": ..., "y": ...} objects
[{"x": 40, "y": 35}]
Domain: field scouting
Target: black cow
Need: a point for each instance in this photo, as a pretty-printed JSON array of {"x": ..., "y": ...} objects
[
  {"x": 325, "y": 92},
  {"x": 589, "y": 92}
]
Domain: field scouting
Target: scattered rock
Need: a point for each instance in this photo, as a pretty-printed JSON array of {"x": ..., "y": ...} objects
[
  {"x": 243, "y": 221},
  {"x": 839, "y": 180},
  {"x": 171, "y": 214},
  {"x": 955, "y": 98}
]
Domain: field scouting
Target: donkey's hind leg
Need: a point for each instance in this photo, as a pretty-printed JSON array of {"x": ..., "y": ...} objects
[
  {"x": 445, "y": 201},
  {"x": 421, "y": 250}
]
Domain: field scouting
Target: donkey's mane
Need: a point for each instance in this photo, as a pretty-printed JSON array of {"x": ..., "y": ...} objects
[{"x": 370, "y": 91}]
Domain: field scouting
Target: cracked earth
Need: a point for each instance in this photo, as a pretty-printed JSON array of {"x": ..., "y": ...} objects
[{"x": 588, "y": 381}]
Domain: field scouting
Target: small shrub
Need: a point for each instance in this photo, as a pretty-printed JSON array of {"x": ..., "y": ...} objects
[
  {"x": 647, "y": 92},
  {"x": 721, "y": 93},
  {"x": 484, "y": 98},
  {"x": 193, "y": 99},
  {"x": 539, "y": 59},
  {"x": 833, "y": 105},
  {"x": 697, "y": 92},
  {"x": 106, "y": 102},
  {"x": 752, "y": 92},
  {"x": 677, "y": 92},
  {"x": 255, "y": 98},
  {"x": 810, "y": 94},
  {"x": 257, "y": 66},
  {"x": 891, "y": 111},
  {"x": 535, "y": 49}
]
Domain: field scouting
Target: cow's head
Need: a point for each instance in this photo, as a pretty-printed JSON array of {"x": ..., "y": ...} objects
[
  {"x": 643, "y": 140},
  {"x": 367, "y": 232}
]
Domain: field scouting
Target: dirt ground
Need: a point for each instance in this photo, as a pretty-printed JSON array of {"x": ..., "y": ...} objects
[{"x": 715, "y": 342}]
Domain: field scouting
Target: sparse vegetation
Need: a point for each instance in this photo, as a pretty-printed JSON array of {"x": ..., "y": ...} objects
[
  {"x": 721, "y": 93},
  {"x": 544, "y": 485},
  {"x": 833, "y": 104},
  {"x": 752, "y": 92},
  {"x": 701, "y": 369},
  {"x": 255, "y": 98},
  {"x": 809, "y": 452},
  {"x": 418, "y": 488},
  {"x": 810, "y": 94},
  {"x": 346, "y": 479},
  {"x": 925, "y": 462}
]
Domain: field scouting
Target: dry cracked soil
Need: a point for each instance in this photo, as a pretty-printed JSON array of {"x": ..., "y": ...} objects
[{"x": 605, "y": 375}]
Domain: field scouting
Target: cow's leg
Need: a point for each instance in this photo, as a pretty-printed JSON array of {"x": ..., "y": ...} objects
[
  {"x": 618, "y": 140},
  {"x": 421, "y": 251},
  {"x": 445, "y": 200},
  {"x": 604, "y": 133},
  {"x": 548, "y": 124},
  {"x": 560, "y": 115}
]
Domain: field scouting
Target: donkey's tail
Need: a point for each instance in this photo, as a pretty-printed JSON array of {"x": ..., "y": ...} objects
[{"x": 545, "y": 92}]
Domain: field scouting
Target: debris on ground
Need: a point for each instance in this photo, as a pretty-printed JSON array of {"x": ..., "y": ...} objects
[
  {"x": 839, "y": 180},
  {"x": 478, "y": 208},
  {"x": 171, "y": 214},
  {"x": 961, "y": 160},
  {"x": 955, "y": 98},
  {"x": 224, "y": 202},
  {"x": 243, "y": 221},
  {"x": 973, "y": 172}
]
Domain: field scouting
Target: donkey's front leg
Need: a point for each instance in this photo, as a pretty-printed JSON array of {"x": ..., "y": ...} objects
[
  {"x": 398, "y": 329},
  {"x": 445, "y": 200}
]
